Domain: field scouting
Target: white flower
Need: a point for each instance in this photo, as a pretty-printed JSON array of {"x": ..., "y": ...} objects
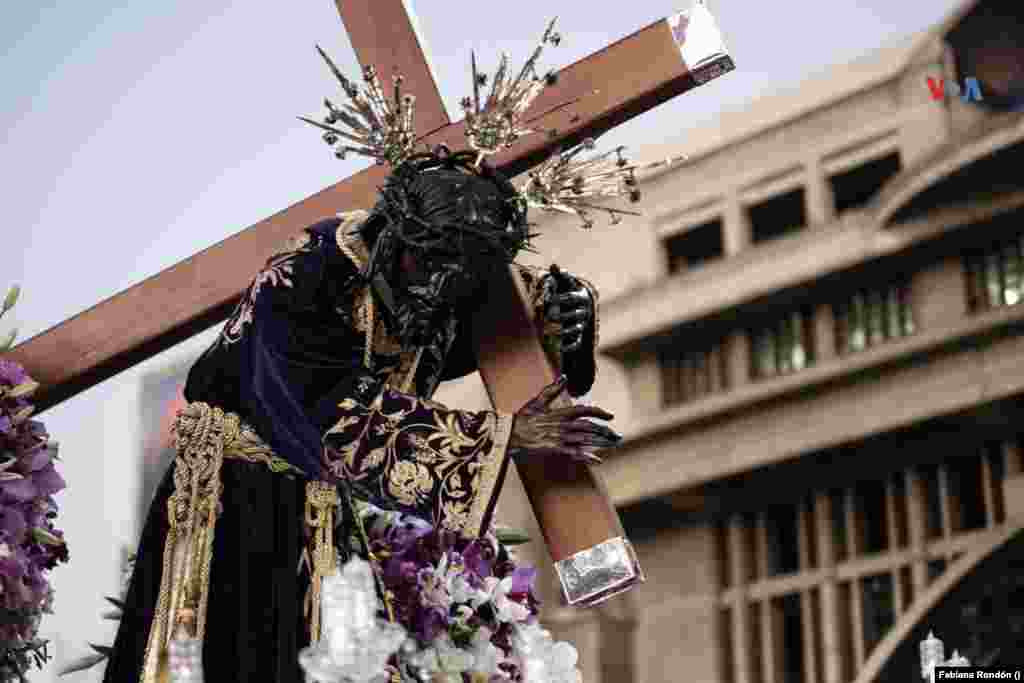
[
  {"x": 443, "y": 661},
  {"x": 356, "y": 645},
  {"x": 461, "y": 590},
  {"x": 5, "y": 550},
  {"x": 435, "y": 583},
  {"x": 542, "y": 660},
  {"x": 506, "y": 609},
  {"x": 486, "y": 656}
]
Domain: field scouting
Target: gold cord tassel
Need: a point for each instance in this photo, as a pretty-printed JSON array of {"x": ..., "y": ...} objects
[
  {"x": 202, "y": 433},
  {"x": 321, "y": 500}
]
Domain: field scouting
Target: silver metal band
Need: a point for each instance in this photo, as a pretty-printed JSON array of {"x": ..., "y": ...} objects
[{"x": 593, "y": 575}]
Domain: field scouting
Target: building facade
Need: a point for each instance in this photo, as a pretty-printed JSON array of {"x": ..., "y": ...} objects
[{"x": 812, "y": 340}]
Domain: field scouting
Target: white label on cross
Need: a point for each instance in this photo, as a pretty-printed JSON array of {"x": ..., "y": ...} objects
[{"x": 697, "y": 36}]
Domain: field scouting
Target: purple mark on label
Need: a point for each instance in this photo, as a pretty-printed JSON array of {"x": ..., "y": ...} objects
[{"x": 679, "y": 30}]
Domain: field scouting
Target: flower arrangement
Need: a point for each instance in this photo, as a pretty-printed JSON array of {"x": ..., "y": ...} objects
[
  {"x": 456, "y": 611},
  {"x": 30, "y": 544}
]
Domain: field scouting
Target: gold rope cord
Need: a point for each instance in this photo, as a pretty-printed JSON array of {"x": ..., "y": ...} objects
[
  {"x": 321, "y": 500},
  {"x": 201, "y": 433},
  {"x": 368, "y": 320}
]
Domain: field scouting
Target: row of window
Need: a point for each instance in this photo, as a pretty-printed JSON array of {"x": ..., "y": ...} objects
[
  {"x": 872, "y": 317},
  {"x": 780, "y": 215},
  {"x": 865, "y": 319},
  {"x": 994, "y": 276}
]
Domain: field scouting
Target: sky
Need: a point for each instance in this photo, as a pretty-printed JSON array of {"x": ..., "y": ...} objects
[{"x": 135, "y": 135}]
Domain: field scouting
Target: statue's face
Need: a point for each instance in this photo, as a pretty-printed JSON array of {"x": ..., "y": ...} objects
[
  {"x": 413, "y": 270},
  {"x": 430, "y": 289}
]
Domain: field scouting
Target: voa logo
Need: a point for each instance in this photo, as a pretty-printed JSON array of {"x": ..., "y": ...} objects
[{"x": 971, "y": 89}]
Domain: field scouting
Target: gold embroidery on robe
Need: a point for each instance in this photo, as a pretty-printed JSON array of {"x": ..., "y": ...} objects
[{"x": 442, "y": 465}]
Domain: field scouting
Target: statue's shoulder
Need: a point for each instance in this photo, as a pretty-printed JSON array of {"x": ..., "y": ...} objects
[{"x": 346, "y": 235}]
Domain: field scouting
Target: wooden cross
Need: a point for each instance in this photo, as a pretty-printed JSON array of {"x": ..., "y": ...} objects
[{"x": 612, "y": 85}]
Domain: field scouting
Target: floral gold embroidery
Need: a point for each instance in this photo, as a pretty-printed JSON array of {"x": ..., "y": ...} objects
[
  {"x": 425, "y": 456},
  {"x": 439, "y": 464},
  {"x": 277, "y": 273},
  {"x": 456, "y": 516},
  {"x": 375, "y": 458},
  {"x": 450, "y": 433},
  {"x": 409, "y": 482}
]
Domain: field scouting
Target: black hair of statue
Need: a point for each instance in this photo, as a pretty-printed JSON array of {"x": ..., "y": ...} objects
[{"x": 416, "y": 208}]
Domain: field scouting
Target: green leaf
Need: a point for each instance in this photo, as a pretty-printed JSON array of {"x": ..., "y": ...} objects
[
  {"x": 45, "y": 537},
  {"x": 511, "y": 536},
  {"x": 115, "y": 602},
  {"x": 12, "y": 298},
  {"x": 82, "y": 664},
  {"x": 24, "y": 389},
  {"x": 8, "y": 342},
  {"x": 104, "y": 650}
]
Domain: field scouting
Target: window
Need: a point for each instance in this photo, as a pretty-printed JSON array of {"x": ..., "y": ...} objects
[
  {"x": 879, "y": 606},
  {"x": 855, "y": 187},
  {"x": 782, "y": 528},
  {"x": 967, "y": 489},
  {"x": 871, "y": 317},
  {"x": 869, "y": 498},
  {"x": 694, "y": 247},
  {"x": 789, "y": 615},
  {"x": 778, "y": 216},
  {"x": 994, "y": 275},
  {"x": 691, "y": 374},
  {"x": 782, "y": 348}
]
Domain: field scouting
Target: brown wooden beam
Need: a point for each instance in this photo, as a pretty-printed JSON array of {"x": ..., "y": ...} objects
[
  {"x": 382, "y": 35},
  {"x": 614, "y": 84}
]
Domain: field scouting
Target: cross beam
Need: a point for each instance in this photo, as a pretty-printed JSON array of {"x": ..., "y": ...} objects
[{"x": 614, "y": 84}]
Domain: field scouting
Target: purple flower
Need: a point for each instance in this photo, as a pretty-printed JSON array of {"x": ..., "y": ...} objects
[
  {"x": 11, "y": 373},
  {"x": 400, "y": 571},
  {"x": 522, "y": 580},
  {"x": 48, "y": 481},
  {"x": 408, "y": 532},
  {"x": 429, "y": 623},
  {"x": 13, "y": 568},
  {"x": 13, "y": 525},
  {"x": 35, "y": 514},
  {"x": 36, "y": 459},
  {"x": 479, "y": 558},
  {"x": 18, "y": 490}
]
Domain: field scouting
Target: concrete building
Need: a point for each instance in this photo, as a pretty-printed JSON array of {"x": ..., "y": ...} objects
[{"x": 813, "y": 343}]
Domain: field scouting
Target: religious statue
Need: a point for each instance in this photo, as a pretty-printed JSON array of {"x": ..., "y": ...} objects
[{"x": 314, "y": 404}]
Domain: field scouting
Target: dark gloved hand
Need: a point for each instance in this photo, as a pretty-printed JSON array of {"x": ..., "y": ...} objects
[
  {"x": 540, "y": 430},
  {"x": 568, "y": 309}
]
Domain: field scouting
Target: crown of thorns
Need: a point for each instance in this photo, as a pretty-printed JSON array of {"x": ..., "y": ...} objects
[{"x": 501, "y": 233}]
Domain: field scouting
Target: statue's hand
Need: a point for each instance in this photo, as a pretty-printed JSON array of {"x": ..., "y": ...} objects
[
  {"x": 539, "y": 430},
  {"x": 568, "y": 309}
]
